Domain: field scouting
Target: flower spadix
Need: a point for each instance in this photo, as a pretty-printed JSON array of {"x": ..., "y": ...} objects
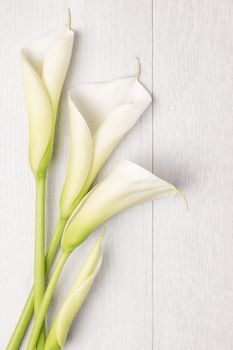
[
  {"x": 44, "y": 66},
  {"x": 100, "y": 115},
  {"x": 128, "y": 185},
  {"x": 75, "y": 298}
]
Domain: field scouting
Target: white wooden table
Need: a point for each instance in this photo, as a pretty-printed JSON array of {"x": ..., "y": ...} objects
[{"x": 167, "y": 276}]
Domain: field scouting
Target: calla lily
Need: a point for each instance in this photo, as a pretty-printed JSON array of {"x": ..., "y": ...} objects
[
  {"x": 44, "y": 66},
  {"x": 128, "y": 185},
  {"x": 100, "y": 115},
  {"x": 75, "y": 298}
]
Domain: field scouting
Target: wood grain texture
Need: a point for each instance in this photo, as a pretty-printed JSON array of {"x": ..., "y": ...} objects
[
  {"x": 167, "y": 277},
  {"x": 193, "y": 125}
]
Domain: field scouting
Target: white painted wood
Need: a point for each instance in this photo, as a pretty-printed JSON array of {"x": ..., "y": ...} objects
[
  {"x": 191, "y": 266},
  {"x": 193, "y": 143},
  {"x": 118, "y": 312}
]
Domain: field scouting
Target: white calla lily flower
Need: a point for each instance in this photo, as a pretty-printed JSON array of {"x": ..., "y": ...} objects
[
  {"x": 75, "y": 298},
  {"x": 128, "y": 185},
  {"x": 100, "y": 115},
  {"x": 44, "y": 66}
]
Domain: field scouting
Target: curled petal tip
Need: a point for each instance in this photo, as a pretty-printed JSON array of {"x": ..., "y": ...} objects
[
  {"x": 138, "y": 67},
  {"x": 103, "y": 232},
  {"x": 69, "y": 18},
  {"x": 184, "y": 198}
]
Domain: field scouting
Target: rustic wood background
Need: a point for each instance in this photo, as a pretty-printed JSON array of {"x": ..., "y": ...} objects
[{"x": 167, "y": 276}]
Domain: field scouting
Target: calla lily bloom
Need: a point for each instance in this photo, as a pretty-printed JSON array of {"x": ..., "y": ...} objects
[
  {"x": 128, "y": 185},
  {"x": 44, "y": 66},
  {"x": 75, "y": 298},
  {"x": 100, "y": 115}
]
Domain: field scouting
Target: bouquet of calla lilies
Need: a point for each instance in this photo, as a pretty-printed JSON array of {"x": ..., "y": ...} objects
[{"x": 100, "y": 115}]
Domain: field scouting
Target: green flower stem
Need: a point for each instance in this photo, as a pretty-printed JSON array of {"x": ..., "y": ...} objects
[
  {"x": 22, "y": 324},
  {"x": 27, "y": 312},
  {"x": 55, "y": 243},
  {"x": 46, "y": 301},
  {"x": 39, "y": 263}
]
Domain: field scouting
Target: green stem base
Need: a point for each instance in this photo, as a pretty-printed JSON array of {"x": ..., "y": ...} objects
[
  {"x": 39, "y": 262},
  {"x": 46, "y": 301},
  {"x": 27, "y": 312}
]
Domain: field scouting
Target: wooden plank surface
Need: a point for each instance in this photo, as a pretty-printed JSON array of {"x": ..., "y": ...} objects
[
  {"x": 118, "y": 312},
  {"x": 167, "y": 277},
  {"x": 193, "y": 126}
]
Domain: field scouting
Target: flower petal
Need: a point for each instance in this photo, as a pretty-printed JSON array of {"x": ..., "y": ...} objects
[
  {"x": 81, "y": 148},
  {"x": 44, "y": 64},
  {"x": 79, "y": 292},
  {"x": 40, "y": 114},
  {"x": 50, "y": 55},
  {"x": 75, "y": 298},
  {"x": 96, "y": 101},
  {"x": 111, "y": 132},
  {"x": 126, "y": 186},
  {"x": 56, "y": 63},
  {"x": 36, "y": 51},
  {"x": 102, "y": 104},
  {"x": 110, "y": 109},
  {"x": 71, "y": 308}
]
